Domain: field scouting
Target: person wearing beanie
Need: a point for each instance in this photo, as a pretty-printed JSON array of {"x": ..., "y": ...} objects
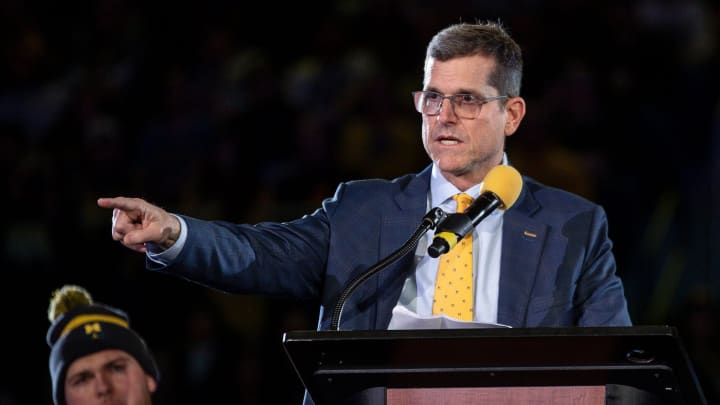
[{"x": 95, "y": 357}]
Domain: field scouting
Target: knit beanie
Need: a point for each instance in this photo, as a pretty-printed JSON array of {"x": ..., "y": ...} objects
[{"x": 80, "y": 327}]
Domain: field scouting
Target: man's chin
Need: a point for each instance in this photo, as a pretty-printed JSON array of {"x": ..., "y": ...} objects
[{"x": 451, "y": 167}]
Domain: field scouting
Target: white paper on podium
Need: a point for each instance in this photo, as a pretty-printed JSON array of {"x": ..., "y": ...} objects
[{"x": 402, "y": 318}]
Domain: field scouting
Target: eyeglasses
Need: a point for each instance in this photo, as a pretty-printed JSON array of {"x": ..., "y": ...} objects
[{"x": 464, "y": 105}]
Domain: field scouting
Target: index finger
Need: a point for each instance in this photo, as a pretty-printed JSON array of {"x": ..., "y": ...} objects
[{"x": 123, "y": 203}]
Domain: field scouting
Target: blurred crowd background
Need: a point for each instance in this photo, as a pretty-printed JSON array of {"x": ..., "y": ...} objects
[{"x": 255, "y": 111}]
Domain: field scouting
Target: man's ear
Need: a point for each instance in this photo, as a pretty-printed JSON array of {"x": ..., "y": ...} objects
[
  {"x": 515, "y": 110},
  {"x": 151, "y": 383}
]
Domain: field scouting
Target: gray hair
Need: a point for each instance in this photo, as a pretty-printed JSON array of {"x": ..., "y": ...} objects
[{"x": 488, "y": 39}]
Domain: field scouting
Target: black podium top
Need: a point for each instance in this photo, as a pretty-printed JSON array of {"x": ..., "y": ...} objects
[{"x": 336, "y": 364}]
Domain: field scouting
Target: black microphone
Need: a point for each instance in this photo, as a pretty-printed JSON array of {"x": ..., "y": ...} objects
[{"x": 502, "y": 186}]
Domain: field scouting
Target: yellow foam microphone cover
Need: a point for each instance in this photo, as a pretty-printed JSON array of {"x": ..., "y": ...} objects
[{"x": 505, "y": 181}]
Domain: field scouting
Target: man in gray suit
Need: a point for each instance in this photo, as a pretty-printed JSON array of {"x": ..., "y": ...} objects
[{"x": 546, "y": 261}]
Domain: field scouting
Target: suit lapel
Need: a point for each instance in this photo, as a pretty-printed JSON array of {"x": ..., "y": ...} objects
[
  {"x": 523, "y": 239},
  {"x": 398, "y": 224},
  {"x": 400, "y": 221}
]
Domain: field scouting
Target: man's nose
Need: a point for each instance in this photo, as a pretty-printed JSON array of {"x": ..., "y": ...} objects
[
  {"x": 103, "y": 384},
  {"x": 447, "y": 111}
]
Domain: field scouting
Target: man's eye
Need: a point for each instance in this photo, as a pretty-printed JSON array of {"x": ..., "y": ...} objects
[
  {"x": 467, "y": 99},
  {"x": 80, "y": 379},
  {"x": 432, "y": 96}
]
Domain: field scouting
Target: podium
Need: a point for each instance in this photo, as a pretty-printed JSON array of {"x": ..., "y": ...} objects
[{"x": 505, "y": 366}]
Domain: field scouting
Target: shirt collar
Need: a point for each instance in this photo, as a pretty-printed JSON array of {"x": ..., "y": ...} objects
[{"x": 441, "y": 189}]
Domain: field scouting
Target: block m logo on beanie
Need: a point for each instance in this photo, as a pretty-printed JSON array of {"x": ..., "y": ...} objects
[{"x": 93, "y": 329}]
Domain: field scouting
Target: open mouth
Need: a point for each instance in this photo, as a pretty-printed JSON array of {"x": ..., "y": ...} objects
[{"x": 448, "y": 140}]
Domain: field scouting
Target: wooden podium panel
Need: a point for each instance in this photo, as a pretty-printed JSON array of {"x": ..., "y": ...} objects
[{"x": 575, "y": 395}]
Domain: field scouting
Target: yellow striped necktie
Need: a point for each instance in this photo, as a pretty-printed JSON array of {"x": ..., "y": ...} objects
[{"x": 454, "y": 283}]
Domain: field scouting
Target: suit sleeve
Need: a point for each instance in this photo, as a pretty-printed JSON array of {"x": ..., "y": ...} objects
[{"x": 277, "y": 259}]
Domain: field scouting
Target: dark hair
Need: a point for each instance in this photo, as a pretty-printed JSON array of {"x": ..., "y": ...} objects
[{"x": 488, "y": 39}]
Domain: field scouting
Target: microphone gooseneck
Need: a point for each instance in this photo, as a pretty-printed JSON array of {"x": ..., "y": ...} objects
[{"x": 430, "y": 220}]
